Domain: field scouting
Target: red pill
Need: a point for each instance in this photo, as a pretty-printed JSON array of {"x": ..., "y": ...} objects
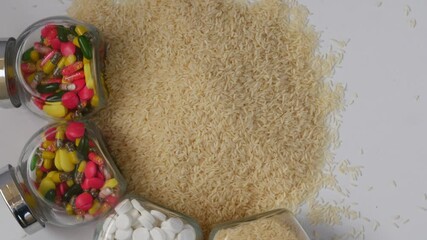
[
  {"x": 47, "y": 29},
  {"x": 55, "y": 43},
  {"x": 70, "y": 69},
  {"x": 112, "y": 200},
  {"x": 89, "y": 183},
  {"x": 63, "y": 188},
  {"x": 68, "y": 48},
  {"x": 91, "y": 169},
  {"x": 100, "y": 176},
  {"x": 96, "y": 159},
  {"x": 40, "y": 48},
  {"x": 70, "y": 100},
  {"x": 75, "y": 130},
  {"x": 50, "y": 134},
  {"x": 39, "y": 103},
  {"x": 84, "y": 201},
  {"x": 80, "y": 83},
  {"x": 75, "y": 76},
  {"x": 86, "y": 94},
  {"x": 28, "y": 68}
]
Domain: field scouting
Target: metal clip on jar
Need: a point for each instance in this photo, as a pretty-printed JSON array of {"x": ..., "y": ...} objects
[
  {"x": 138, "y": 218},
  {"x": 276, "y": 224},
  {"x": 65, "y": 177},
  {"x": 54, "y": 68}
]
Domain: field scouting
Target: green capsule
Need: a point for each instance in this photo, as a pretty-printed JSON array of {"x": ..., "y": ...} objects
[
  {"x": 50, "y": 195},
  {"x": 74, "y": 190},
  {"x": 55, "y": 97},
  {"x": 83, "y": 147},
  {"x": 48, "y": 88},
  {"x": 26, "y": 56},
  {"x": 62, "y": 33},
  {"x": 34, "y": 161},
  {"x": 85, "y": 46}
]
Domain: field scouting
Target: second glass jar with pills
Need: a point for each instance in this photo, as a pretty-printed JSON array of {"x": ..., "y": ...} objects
[{"x": 137, "y": 218}]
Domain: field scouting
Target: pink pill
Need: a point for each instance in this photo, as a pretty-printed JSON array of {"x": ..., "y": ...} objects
[
  {"x": 89, "y": 183},
  {"x": 47, "y": 29},
  {"x": 68, "y": 48},
  {"x": 55, "y": 43},
  {"x": 86, "y": 94},
  {"x": 100, "y": 175},
  {"x": 70, "y": 100},
  {"x": 50, "y": 134},
  {"x": 84, "y": 201},
  {"x": 75, "y": 130},
  {"x": 91, "y": 170}
]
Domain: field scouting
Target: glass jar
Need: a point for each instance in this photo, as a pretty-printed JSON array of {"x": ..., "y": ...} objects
[
  {"x": 277, "y": 224},
  {"x": 139, "y": 218},
  {"x": 55, "y": 68},
  {"x": 65, "y": 177}
]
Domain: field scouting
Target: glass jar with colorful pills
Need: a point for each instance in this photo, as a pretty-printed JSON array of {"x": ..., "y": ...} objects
[
  {"x": 55, "y": 68},
  {"x": 65, "y": 177}
]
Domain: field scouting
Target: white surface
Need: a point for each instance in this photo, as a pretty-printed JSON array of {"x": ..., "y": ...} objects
[{"x": 384, "y": 65}]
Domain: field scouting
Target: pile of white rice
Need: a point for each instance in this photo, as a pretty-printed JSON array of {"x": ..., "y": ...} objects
[{"x": 218, "y": 109}]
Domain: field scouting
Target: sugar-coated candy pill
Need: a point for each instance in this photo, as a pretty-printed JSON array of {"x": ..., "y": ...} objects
[
  {"x": 86, "y": 94},
  {"x": 123, "y": 221},
  {"x": 157, "y": 234},
  {"x": 145, "y": 223},
  {"x": 58, "y": 111},
  {"x": 173, "y": 224},
  {"x": 84, "y": 201},
  {"x": 68, "y": 48},
  {"x": 75, "y": 130},
  {"x": 124, "y": 234},
  {"x": 70, "y": 100},
  {"x": 90, "y": 170},
  {"x": 123, "y": 207},
  {"x": 141, "y": 234},
  {"x": 186, "y": 234},
  {"x": 158, "y": 215}
]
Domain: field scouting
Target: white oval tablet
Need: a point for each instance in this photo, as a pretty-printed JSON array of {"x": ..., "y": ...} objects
[
  {"x": 124, "y": 234},
  {"x": 123, "y": 221},
  {"x": 157, "y": 234},
  {"x": 145, "y": 223},
  {"x": 169, "y": 235},
  {"x": 137, "y": 205},
  {"x": 186, "y": 234},
  {"x": 141, "y": 234},
  {"x": 175, "y": 225},
  {"x": 158, "y": 215},
  {"x": 134, "y": 214},
  {"x": 123, "y": 207},
  {"x": 148, "y": 216}
]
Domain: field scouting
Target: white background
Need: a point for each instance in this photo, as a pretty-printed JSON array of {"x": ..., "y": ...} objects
[{"x": 385, "y": 130}]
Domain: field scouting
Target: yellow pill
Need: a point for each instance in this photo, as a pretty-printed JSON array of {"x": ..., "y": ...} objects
[
  {"x": 70, "y": 183},
  {"x": 69, "y": 116},
  {"x": 61, "y": 62},
  {"x": 34, "y": 55},
  {"x": 69, "y": 209},
  {"x": 48, "y": 155},
  {"x": 65, "y": 161},
  {"x": 95, "y": 207},
  {"x": 94, "y": 101},
  {"x": 30, "y": 78},
  {"x": 48, "y": 163},
  {"x": 78, "y": 141},
  {"x": 60, "y": 133},
  {"x": 50, "y": 174},
  {"x": 82, "y": 166},
  {"x": 110, "y": 183},
  {"x": 73, "y": 157},
  {"x": 88, "y": 76},
  {"x": 85, "y": 60},
  {"x": 46, "y": 185},
  {"x": 39, "y": 175},
  {"x": 48, "y": 67},
  {"x": 58, "y": 111},
  {"x": 58, "y": 160},
  {"x": 80, "y": 30},
  {"x": 76, "y": 42},
  {"x": 39, "y": 65},
  {"x": 70, "y": 60},
  {"x": 47, "y": 144}
]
